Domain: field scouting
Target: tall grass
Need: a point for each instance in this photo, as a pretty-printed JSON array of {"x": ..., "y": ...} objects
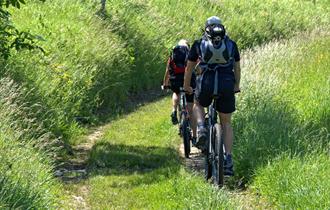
[
  {"x": 90, "y": 60},
  {"x": 26, "y": 179},
  {"x": 74, "y": 77},
  {"x": 296, "y": 182},
  {"x": 282, "y": 126},
  {"x": 93, "y": 64}
]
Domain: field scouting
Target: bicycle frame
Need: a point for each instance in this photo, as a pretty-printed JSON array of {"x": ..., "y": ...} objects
[{"x": 212, "y": 120}]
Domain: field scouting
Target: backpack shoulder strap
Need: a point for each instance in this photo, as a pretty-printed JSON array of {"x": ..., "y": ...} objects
[
  {"x": 230, "y": 47},
  {"x": 202, "y": 48}
]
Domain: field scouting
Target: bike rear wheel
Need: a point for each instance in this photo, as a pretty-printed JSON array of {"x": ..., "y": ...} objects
[{"x": 218, "y": 160}]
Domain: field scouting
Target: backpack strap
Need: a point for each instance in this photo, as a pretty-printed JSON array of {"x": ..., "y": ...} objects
[{"x": 230, "y": 47}]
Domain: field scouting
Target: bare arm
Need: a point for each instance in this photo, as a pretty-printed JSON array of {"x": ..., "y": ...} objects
[
  {"x": 167, "y": 75},
  {"x": 237, "y": 72},
  {"x": 187, "y": 76}
]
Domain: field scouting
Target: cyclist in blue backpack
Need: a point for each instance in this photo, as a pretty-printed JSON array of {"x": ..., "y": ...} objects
[
  {"x": 215, "y": 51},
  {"x": 173, "y": 78}
]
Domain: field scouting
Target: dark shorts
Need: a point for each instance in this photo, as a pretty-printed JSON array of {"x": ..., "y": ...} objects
[
  {"x": 177, "y": 82},
  {"x": 225, "y": 102}
]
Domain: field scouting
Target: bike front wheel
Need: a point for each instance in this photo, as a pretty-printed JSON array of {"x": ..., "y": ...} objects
[
  {"x": 208, "y": 154},
  {"x": 218, "y": 160}
]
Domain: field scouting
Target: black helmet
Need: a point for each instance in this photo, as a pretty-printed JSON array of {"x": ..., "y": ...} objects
[
  {"x": 214, "y": 30},
  {"x": 216, "y": 33}
]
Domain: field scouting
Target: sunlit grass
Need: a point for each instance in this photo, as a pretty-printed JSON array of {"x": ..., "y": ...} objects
[
  {"x": 296, "y": 183},
  {"x": 26, "y": 177},
  {"x": 282, "y": 126},
  {"x": 137, "y": 166},
  {"x": 90, "y": 60},
  {"x": 92, "y": 64}
]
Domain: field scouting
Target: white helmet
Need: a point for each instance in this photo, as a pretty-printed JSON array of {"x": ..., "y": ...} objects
[
  {"x": 214, "y": 20},
  {"x": 183, "y": 42}
]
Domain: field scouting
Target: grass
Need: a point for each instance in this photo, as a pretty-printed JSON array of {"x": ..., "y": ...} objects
[
  {"x": 90, "y": 60},
  {"x": 281, "y": 148},
  {"x": 26, "y": 180},
  {"x": 282, "y": 126},
  {"x": 296, "y": 182},
  {"x": 136, "y": 165},
  {"x": 26, "y": 176}
]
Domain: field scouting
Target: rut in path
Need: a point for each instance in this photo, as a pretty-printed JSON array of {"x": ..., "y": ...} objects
[
  {"x": 74, "y": 171},
  {"x": 244, "y": 197},
  {"x": 195, "y": 162}
]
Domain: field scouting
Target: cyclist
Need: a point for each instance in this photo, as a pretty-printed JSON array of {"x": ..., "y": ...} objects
[
  {"x": 215, "y": 51},
  {"x": 173, "y": 78}
]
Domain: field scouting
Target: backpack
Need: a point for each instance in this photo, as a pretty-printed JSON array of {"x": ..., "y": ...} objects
[
  {"x": 210, "y": 55},
  {"x": 178, "y": 59}
]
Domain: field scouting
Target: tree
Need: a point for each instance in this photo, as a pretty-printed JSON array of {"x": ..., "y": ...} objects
[
  {"x": 103, "y": 6},
  {"x": 10, "y": 37}
]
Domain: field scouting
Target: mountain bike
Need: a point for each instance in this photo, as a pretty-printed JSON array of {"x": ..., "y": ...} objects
[
  {"x": 184, "y": 122},
  {"x": 214, "y": 152}
]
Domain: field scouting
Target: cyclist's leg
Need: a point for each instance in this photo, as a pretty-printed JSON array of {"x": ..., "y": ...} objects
[
  {"x": 176, "y": 84},
  {"x": 203, "y": 98},
  {"x": 175, "y": 87},
  {"x": 190, "y": 104},
  {"x": 225, "y": 120},
  {"x": 175, "y": 101},
  {"x": 203, "y": 95},
  {"x": 190, "y": 101},
  {"x": 199, "y": 113},
  {"x": 201, "y": 129},
  {"x": 225, "y": 107}
]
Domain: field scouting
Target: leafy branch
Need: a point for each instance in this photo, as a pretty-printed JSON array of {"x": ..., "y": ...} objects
[{"x": 10, "y": 36}]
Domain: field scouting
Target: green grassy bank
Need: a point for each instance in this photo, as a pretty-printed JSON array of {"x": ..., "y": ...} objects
[
  {"x": 91, "y": 60},
  {"x": 26, "y": 180},
  {"x": 92, "y": 64},
  {"x": 281, "y": 150},
  {"x": 282, "y": 126}
]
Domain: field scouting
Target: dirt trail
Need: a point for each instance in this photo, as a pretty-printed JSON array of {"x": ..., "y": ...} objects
[
  {"x": 244, "y": 197},
  {"x": 195, "y": 161},
  {"x": 75, "y": 171}
]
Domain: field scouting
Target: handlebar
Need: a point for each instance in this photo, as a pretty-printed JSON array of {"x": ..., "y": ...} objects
[
  {"x": 183, "y": 91},
  {"x": 165, "y": 87}
]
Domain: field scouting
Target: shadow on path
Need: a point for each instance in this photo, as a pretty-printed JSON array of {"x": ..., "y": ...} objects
[{"x": 153, "y": 163}]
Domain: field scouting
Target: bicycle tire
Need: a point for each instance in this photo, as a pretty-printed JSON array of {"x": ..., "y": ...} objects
[
  {"x": 181, "y": 115},
  {"x": 185, "y": 131},
  {"x": 218, "y": 161},
  {"x": 208, "y": 161}
]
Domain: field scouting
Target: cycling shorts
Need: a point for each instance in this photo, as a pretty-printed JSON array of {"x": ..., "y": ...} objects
[
  {"x": 225, "y": 103},
  {"x": 177, "y": 82}
]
